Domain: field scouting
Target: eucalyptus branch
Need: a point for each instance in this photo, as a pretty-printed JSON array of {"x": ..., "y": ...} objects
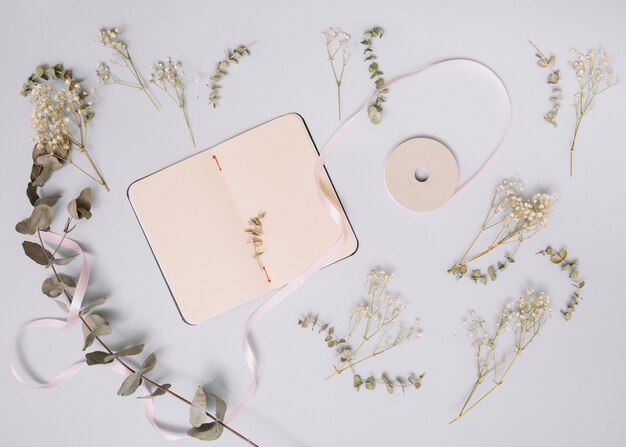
[
  {"x": 571, "y": 268},
  {"x": 95, "y": 326},
  {"x": 553, "y": 79},
  {"x": 232, "y": 57},
  {"x": 375, "y": 109}
]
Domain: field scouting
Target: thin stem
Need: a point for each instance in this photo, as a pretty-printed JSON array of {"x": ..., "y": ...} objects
[{"x": 131, "y": 370}]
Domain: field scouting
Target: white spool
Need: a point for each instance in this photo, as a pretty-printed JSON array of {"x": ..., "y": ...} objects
[{"x": 421, "y": 174}]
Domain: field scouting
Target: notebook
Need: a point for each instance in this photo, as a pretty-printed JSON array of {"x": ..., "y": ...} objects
[{"x": 199, "y": 217}]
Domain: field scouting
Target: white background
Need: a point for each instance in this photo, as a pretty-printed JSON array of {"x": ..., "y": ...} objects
[{"x": 568, "y": 389}]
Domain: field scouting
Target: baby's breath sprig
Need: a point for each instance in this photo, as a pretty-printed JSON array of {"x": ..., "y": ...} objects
[
  {"x": 375, "y": 109},
  {"x": 232, "y": 57},
  {"x": 377, "y": 322},
  {"x": 571, "y": 268},
  {"x": 60, "y": 119},
  {"x": 112, "y": 38},
  {"x": 594, "y": 75},
  {"x": 170, "y": 77},
  {"x": 511, "y": 220},
  {"x": 337, "y": 41},
  {"x": 553, "y": 79},
  {"x": 255, "y": 230},
  {"x": 524, "y": 320}
]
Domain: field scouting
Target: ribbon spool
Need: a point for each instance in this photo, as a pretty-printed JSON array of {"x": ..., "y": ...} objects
[{"x": 421, "y": 174}]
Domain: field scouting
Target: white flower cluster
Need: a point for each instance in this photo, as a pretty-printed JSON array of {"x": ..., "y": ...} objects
[
  {"x": 592, "y": 70},
  {"x": 103, "y": 74},
  {"x": 383, "y": 310},
  {"x": 525, "y": 318},
  {"x": 112, "y": 38},
  {"x": 49, "y": 121},
  {"x": 337, "y": 40},
  {"x": 525, "y": 217},
  {"x": 167, "y": 72}
]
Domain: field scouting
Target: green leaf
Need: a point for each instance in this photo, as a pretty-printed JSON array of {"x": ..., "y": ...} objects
[
  {"x": 492, "y": 272},
  {"x": 36, "y": 252},
  {"x": 370, "y": 383},
  {"x": 357, "y": 382}
]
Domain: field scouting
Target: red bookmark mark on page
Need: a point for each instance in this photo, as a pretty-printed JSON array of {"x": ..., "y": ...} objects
[
  {"x": 266, "y": 275},
  {"x": 218, "y": 162}
]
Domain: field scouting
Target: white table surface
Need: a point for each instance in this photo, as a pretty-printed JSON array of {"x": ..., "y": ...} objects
[{"x": 567, "y": 390}]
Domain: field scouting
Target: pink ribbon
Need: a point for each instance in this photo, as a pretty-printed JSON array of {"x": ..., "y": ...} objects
[
  {"x": 72, "y": 318},
  {"x": 337, "y": 216}
]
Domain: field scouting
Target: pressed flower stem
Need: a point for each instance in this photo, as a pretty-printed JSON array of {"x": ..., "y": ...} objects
[
  {"x": 464, "y": 411},
  {"x": 571, "y": 151},
  {"x": 131, "y": 370}
]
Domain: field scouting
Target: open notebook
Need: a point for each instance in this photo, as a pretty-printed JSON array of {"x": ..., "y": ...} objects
[{"x": 209, "y": 265}]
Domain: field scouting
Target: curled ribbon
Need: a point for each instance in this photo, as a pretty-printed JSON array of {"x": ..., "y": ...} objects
[
  {"x": 337, "y": 216},
  {"x": 72, "y": 318}
]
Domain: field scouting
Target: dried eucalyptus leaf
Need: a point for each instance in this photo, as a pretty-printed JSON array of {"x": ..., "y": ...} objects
[
  {"x": 97, "y": 326},
  {"x": 149, "y": 363},
  {"x": 62, "y": 305},
  {"x": 80, "y": 207},
  {"x": 207, "y": 432},
  {"x": 40, "y": 219},
  {"x": 492, "y": 272},
  {"x": 133, "y": 350},
  {"x": 61, "y": 261},
  {"x": 50, "y": 201},
  {"x": 91, "y": 306},
  {"x": 36, "y": 252},
  {"x": 129, "y": 385},
  {"x": 370, "y": 383},
  {"x": 98, "y": 358},
  {"x": 53, "y": 286},
  {"x": 357, "y": 382},
  {"x": 220, "y": 408},
  {"x": 97, "y": 332},
  {"x": 158, "y": 391},
  {"x": 197, "y": 410},
  {"x": 31, "y": 193}
]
